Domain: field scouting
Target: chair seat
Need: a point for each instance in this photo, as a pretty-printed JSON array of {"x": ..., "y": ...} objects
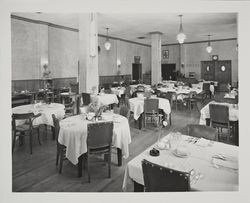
[{"x": 99, "y": 150}]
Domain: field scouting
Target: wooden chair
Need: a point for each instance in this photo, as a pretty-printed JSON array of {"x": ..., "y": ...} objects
[
  {"x": 206, "y": 89},
  {"x": 161, "y": 179},
  {"x": 192, "y": 100},
  {"x": 219, "y": 118},
  {"x": 28, "y": 127},
  {"x": 201, "y": 131},
  {"x": 151, "y": 110},
  {"x": 86, "y": 99},
  {"x": 69, "y": 106},
  {"x": 99, "y": 141},
  {"x": 60, "y": 149},
  {"x": 169, "y": 96}
]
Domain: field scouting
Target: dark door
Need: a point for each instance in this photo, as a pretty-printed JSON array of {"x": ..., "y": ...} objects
[
  {"x": 208, "y": 70},
  {"x": 223, "y": 72},
  {"x": 136, "y": 71},
  {"x": 168, "y": 71}
]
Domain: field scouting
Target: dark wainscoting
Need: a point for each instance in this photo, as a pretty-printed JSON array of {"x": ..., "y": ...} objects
[
  {"x": 109, "y": 79},
  {"x": 35, "y": 84}
]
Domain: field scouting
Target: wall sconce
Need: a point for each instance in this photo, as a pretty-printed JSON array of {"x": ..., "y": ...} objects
[{"x": 119, "y": 63}]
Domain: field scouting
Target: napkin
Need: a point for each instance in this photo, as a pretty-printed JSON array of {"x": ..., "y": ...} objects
[
  {"x": 225, "y": 163},
  {"x": 202, "y": 142}
]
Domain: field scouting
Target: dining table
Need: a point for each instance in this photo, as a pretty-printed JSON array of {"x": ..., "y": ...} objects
[
  {"x": 46, "y": 111},
  {"x": 233, "y": 112},
  {"x": 133, "y": 88},
  {"x": 213, "y": 166},
  {"x": 136, "y": 105},
  {"x": 73, "y": 135},
  {"x": 103, "y": 99},
  {"x": 118, "y": 91}
]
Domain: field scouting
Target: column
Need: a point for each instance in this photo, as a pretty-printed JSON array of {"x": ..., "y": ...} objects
[
  {"x": 155, "y": 57},
  {"x": 88, "y": 56}
]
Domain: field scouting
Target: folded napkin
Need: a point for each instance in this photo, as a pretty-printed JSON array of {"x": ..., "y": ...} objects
[
  {"x": 202, "y": 142},
  {"x": 225, "y": 163}
]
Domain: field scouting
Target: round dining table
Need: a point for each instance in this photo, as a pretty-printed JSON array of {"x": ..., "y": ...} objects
[
  {"x": 46, "y": 111},
  {"x": 73, "y": 135}
]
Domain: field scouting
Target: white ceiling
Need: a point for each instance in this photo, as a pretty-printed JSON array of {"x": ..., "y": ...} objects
[{"x": 130, "y": 26}]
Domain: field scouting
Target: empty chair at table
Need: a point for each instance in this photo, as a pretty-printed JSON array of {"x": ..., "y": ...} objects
[
  {"x": 206, "y": 89},
  {"x": 162, "y": 179},
  {"x": 151, "y": 110},
  {"x": 219, "y": 118},
  {"x": 192, "y": 100},
  {"x": 200, "y": 131},
  {"x": 99, "y": 141},
  {"x": 60, "y": 149},
  {"x": 25, "y": 129}
]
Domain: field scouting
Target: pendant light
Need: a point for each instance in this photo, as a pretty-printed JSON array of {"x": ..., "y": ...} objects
[
  {"x": 181, "y": 36},
  {"x": 209, "y": 48},
  {"x": 107, "y": 43}
]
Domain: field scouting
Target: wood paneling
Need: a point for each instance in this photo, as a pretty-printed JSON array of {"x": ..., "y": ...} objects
[
  {"x": 113, "y": 78},
  {"x": 35, "y": 84}
]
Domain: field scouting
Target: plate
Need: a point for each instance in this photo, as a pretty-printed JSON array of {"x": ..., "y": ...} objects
[{"x": 179, "y": 155}]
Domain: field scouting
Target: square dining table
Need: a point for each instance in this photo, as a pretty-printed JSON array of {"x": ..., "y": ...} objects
[
  {"x": 213, "y": 165},
  {"x": 73, "y": 134}
]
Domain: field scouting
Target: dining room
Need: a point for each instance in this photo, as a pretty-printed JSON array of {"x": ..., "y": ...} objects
[{"x": 125, "y": 102}]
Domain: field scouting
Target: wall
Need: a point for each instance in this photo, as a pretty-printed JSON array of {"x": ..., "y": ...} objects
[
  {"x": 195, "y": 53},
  {"x": 63, "y": 53},
  {"x": 25, "y": 50},
  {"x": 125, "y": 51},
  {"x": 174, "y": 55},
  {"x": 192, "y": 55}
]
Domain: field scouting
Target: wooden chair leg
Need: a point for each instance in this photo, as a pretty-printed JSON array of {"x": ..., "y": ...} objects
[
  {"x": 31, "y": 132},
  {"x": 109, "y": 163},
  {"x": 38, "y": 135},
  {"x": 14, "y": 142},
  {"x": 61, "y": 159},
  {"x": 87, "y": 162}
]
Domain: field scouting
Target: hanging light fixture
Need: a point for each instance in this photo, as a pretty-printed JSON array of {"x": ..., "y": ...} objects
[
  {"x": 181, "y": 36},
  {"x": 107, "y": 43},
  {"x": 209, "y": 48}
]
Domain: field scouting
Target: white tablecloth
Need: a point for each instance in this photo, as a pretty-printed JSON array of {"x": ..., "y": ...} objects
[
  {"x": 46, "y": 111},
  {"x": 137, "y": 106},
  {"x": 105, "y": 99},
  {"x": 73, "y": 134},
  {"x": 133, "y": 88},
  {"x": 233, "y": 112},
  {"x": 183, "y": 90},
  {"x": 215, "y": 177},
  {"x": 118, "y": 91}
]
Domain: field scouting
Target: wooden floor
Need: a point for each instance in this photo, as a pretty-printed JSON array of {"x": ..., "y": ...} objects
[{"x": 38, "y": 172}]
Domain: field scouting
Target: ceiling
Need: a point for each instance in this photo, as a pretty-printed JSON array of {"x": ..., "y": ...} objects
[{"x": 130, "y": 26}]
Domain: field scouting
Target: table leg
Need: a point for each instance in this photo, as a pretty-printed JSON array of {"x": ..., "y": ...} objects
[
  {"x": 140, "y": 121},
  {"x": 80, "y": 160},
  {"x": 138, "y": 187},
  {"x": 119, "y": 156},
  {"x": 53, "y": 133}
]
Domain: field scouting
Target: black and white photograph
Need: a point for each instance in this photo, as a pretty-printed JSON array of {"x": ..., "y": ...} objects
[{"x": 125, "y": 102}]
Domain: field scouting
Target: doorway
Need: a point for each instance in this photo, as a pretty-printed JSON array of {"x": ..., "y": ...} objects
[
  {"x": 168, "y": 71},
  {"x": 136, "y": 71}
]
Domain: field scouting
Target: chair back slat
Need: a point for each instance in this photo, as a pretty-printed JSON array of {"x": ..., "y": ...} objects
[
  {"x": 219, "y": 113},
  {"x": 151, "y": 105},
  {"x": 99, "y": 135},
  {"x": 161, "y": 179}
]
